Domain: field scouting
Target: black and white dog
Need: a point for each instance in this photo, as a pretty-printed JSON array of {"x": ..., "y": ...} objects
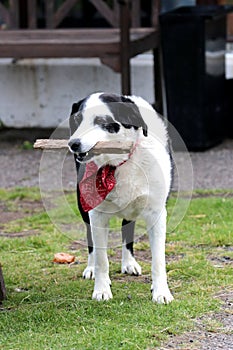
[{"x": 127, "y": 185}]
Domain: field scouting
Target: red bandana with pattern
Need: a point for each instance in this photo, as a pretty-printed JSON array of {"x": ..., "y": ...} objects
[{"x": 96, "y": 185}]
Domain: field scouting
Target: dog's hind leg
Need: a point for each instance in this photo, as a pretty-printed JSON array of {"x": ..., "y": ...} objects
[{"x": 129, "y": 264}]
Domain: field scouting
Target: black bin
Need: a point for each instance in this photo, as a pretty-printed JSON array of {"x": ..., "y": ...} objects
[
  {"x": 193, "y": 42},
  {"x": 229, "y": 107}
]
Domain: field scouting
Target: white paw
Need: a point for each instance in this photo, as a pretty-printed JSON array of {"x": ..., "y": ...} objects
[
  {"x": 161, "y": 295},
  {"x": 89, "y": 273},
  {"x": 103, "y": 294},
  {"x": 131, "y": 267}
]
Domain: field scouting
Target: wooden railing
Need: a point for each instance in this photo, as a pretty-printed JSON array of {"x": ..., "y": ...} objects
[{"x": 12, "y": 12}]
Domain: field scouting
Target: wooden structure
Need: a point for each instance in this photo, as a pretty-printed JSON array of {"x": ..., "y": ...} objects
[
  {"x": 2, "y": 287},
  {"x": 115, "y": 45}
]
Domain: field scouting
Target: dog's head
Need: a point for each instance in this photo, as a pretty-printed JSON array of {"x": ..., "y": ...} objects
[{"x": 104, "y": 117}]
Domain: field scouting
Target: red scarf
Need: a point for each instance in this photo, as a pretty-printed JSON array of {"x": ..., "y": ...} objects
[{"x": 96, "y": 185}]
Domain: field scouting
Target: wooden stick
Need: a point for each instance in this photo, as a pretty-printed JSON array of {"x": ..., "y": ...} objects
[
  {"x": 110, "y": 147},
  {"x": 50, "y": 144}
]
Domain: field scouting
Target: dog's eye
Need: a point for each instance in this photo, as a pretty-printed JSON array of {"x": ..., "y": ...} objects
[
  {"x": 107, "y": 123},
  {"x": 112, "y": 127}
]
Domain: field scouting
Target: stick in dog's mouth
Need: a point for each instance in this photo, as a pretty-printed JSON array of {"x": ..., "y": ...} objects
[{"x": 110, "y": 147}]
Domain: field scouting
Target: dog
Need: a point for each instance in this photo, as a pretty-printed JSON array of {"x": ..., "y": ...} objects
[{"x": 132, "y": 185}]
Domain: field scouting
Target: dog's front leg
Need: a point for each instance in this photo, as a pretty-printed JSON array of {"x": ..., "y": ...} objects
[
  {"x": 99, "y": 227},
  {"x": 157, "y": 235}
]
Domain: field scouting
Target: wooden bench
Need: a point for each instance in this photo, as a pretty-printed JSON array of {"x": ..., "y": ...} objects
[{"x": 115, "y": 46}]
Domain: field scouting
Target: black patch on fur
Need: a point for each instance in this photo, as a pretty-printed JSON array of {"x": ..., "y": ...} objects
[
  {"x": 125, "y": 111},
  {"x": 169, "y": 150},
  {"x": 107, "y": 123},
  {"x": 128, "y": 234},
  {"x": 76, "y": 115}
]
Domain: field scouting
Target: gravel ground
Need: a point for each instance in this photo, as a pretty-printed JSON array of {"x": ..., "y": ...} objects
[{"x": 212, "y": 332}]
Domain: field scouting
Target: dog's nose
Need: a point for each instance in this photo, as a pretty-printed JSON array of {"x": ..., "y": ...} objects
[{"x": 75, "y": 145}]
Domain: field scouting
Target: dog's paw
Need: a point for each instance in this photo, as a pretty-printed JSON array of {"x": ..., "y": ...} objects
[
  {"x": 131, "y": 267},
  {"x": 161, "y": 295},
  {"x": 104, "y": 294},
  {"x": 89, "y": 273}
]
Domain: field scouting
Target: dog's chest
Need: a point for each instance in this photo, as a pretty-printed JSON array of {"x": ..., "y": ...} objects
[
  {"x": 130, "y": 194},
  {"x": 131, "y": 181}
]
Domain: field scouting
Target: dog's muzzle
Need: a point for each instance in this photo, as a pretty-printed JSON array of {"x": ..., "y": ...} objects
[{"x": 76, "y": 147}]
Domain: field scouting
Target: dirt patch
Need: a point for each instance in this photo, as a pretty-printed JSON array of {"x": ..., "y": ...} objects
[
  {"x": 15, "y": 210},
  {"x": 8, "y": 215},
  {"x": 19, "y": 234},
  {"x": 212, "y": 332},
  {"x": 200, "y": 340},
  {"x": 207, "y": 194},
  {"x": 18, "y": 209},
  {"x": 143, "y": 254},
  {"x": 220, "y": 261},
  {"x": 29, "y": 207},
  {"x": 221, "y": 256}
]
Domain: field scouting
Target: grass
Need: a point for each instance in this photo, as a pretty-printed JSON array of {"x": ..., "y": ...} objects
[{"x": 49, "y": 306}]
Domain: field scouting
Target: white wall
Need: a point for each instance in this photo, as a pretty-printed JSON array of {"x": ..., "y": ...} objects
[
  {"x": 40, "y": 92},
  {"x": 229, "y": 65}
]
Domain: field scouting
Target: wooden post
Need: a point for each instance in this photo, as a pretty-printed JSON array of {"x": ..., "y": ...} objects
[
  {"x": 158, "y": 81},
  {"x": 49, "y": 9},
  {"x": 125, "y": 46},
  {"x": 32, "y": 14},
  {"x": 136, "y": 14},
  {"x": 2, "y": 286},
  {"x": 14, "y": 13},
  {"x": 158, "y": 69}
]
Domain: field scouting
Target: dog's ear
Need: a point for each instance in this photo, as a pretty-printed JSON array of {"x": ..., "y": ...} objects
[
  {"x": 125, "y": 111},
  {"x": 143, "y": 125},
  {"x": 145, "y": 130},
  {"x": 76, "y": 106},
  {"x": 128, "y": 115},
  {"x": 134, "y": 116}
]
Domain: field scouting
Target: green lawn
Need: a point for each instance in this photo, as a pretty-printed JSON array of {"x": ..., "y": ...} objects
[{"x": 49, "y": 306}]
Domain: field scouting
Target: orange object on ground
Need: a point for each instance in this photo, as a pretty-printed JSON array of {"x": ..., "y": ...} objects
[{"x": 63, "y": 258}]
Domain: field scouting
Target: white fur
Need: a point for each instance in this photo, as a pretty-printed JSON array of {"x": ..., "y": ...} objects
[
  {"x": 89, "y": 272},
  {"x": 142, "y": 186},
  {"x": 129, "y": 265}
]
